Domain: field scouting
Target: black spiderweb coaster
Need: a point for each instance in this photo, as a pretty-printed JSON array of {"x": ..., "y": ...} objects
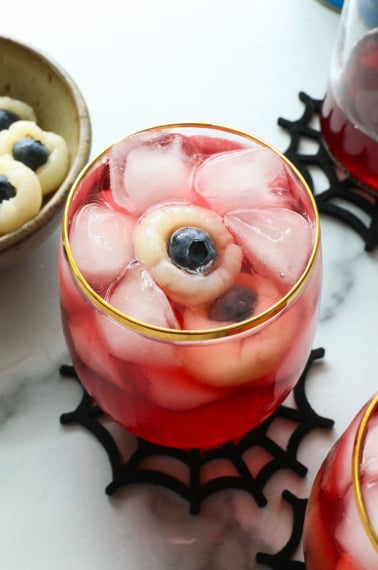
[
  {"x": 302, "y": 416},
  {"x": 282, "y": 560},
  {"x": 133, "y": 470},
  {"x": 342, "y": 197}
]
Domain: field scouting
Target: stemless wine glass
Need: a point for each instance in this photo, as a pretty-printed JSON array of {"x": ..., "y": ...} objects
[
  {"x": 190, "y": 276},
  {"x": 341, "y": 522},
  {"x": 349, "y": 113}
]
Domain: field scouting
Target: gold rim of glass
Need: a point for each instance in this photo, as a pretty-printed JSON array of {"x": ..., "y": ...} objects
[
  {"x": 189, "y": 335},
  {"x": 356, "y": 470}
]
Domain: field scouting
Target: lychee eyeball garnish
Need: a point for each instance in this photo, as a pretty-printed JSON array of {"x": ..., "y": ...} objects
[{"x": 188, "y": 251}]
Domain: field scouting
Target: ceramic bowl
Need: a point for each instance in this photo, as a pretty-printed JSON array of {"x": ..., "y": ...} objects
[{"x": 31, "y": 76}]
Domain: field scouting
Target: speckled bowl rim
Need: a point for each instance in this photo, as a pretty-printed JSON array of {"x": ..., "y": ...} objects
[{"x": 57, "y": 200}]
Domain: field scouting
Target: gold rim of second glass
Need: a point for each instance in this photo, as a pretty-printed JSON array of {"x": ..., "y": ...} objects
[
  {"x": 189, "y": 335},
  {"x": 358, "y": 449}
]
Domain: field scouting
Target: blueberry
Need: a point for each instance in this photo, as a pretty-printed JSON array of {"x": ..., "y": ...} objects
[
  {"x": 7, "y": 190},
  {"x": 7, "y": 118},
  {"x": 31, "y": 152},
  {"x": 235, "y": 305},
  {"x": 192, "y": 249}
]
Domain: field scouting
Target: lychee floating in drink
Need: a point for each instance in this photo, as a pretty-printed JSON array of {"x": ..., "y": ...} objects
[{"x": 195, "y": 251}]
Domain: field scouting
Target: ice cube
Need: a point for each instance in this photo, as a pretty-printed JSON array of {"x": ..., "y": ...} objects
[
  {"x": 154, "y": 171},
  {"x": 137, "y": 296},
  {"x": 276, "y": 241},
  {"x": 206, "y": 145},
  {"x": 174, "y": 389},
  {"x": 101, "y": 243},
  {"x": 351, "y": 533},
  {"x": 243, "y": 179}
]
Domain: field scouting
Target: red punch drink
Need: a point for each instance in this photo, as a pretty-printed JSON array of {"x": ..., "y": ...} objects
[
  {"x": 349, "y": 115},
  {"x": 190, "y": 273},
  {"x": 341, "y": 523}
]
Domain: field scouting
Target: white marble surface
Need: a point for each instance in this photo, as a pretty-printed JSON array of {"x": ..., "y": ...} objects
[{"x": 239, "y": 63}]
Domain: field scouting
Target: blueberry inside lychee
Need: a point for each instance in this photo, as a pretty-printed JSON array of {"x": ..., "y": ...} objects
[
  {"x": 7, "y": 190},
  {"x": 31, "y": 152},
  {"x": 192, "y": 249},
  {"x": 7, "y": 118},
  {"x": 235, "y": 305}
]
